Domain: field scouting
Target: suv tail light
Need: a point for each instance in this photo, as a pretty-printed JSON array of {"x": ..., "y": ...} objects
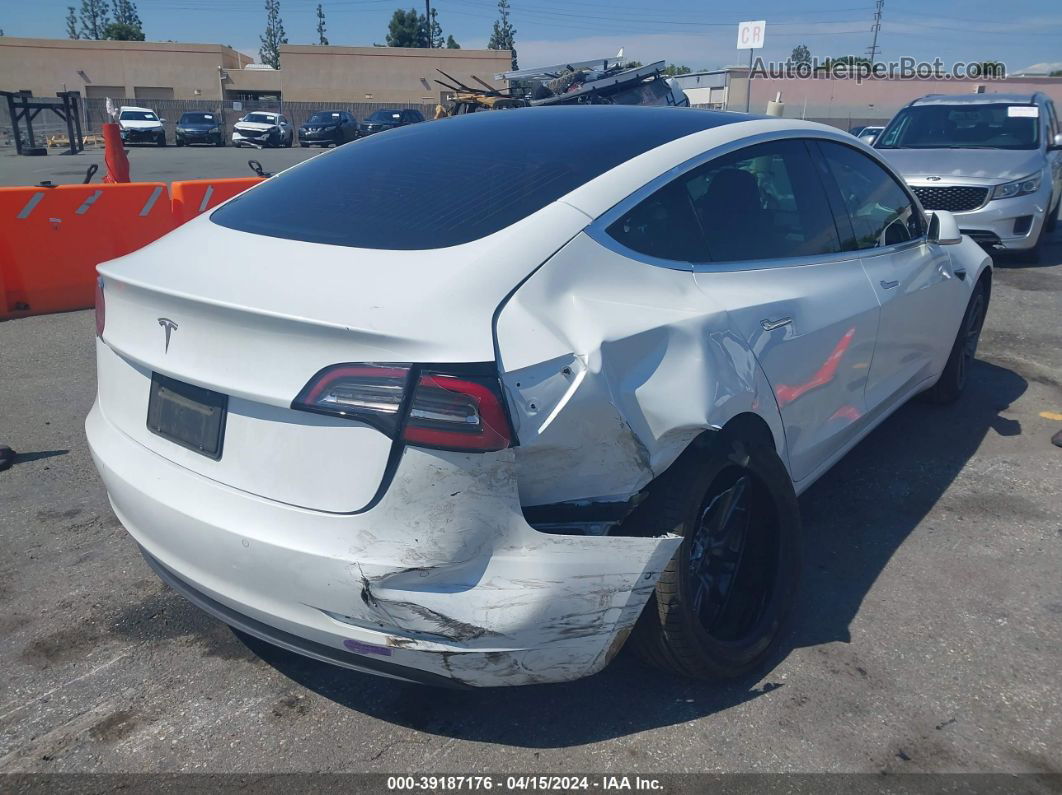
[
  {"x": 101, "y": 308},
  {"x": 444, "y": 408}
]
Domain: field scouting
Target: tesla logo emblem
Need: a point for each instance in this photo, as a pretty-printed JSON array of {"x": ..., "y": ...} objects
[
  {"x": 170, "y": 327},
  {"x": 933, "y": 179}
]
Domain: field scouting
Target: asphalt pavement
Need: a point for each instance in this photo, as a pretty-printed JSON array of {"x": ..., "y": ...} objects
[
  {"x": 149, "y": 163},
  {"x": 928, "y": 634}
]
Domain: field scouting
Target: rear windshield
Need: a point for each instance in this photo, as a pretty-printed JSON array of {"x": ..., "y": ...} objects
[
  {"x": 966, "y": 126},
  {"x": 443, "y": 183}
]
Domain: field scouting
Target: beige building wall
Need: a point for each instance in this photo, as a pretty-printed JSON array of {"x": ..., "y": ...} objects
[
  {"x": 309, "y": 73},
  {"x": 95, "y": 68},
  {"x": 312, "y": 73}
]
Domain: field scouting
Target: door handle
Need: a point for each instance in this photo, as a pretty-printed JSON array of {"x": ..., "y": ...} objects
[
  {"x": 771, "y": 325},
  {"x": 889, "y": 285}
]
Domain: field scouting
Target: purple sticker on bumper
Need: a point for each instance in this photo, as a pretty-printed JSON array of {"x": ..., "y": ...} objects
[{"x": 366, "y": 648}]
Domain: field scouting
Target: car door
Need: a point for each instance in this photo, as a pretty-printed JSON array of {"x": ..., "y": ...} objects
[
  {"x": 911, "y": 277},
  {"x": 773, "y": 260}
]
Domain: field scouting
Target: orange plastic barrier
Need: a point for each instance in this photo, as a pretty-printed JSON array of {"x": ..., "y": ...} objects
[
  {"x": 52, "y": 239},
  {"x": 195, "y": 196}
]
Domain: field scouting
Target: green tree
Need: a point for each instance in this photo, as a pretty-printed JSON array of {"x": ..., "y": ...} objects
[
  {"x": 407, "y": 29},
  {"x": 274, "y": 35},
  {"x": 451, "y": 43},
  {"x": 71, "y": 24},
  {"x": 503, "y": 34},
  {"x": 95, "y": 14},
  {"x": 800, "y": 55},
  {"x": 122, "y": 31},
  {"x": 1056, "y": 73},
  {"x": 633, "y": 65},
  {"x": 671, "y": 70},
  {"x": 321, "y": 26},
  {"x": 125, "y": 13}
]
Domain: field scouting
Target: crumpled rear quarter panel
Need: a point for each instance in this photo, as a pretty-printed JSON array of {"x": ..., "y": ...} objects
[{"x": 611, "y": 368}]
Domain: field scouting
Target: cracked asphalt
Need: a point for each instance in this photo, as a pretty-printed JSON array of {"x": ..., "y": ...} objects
[{"x": 928, "y": 633}]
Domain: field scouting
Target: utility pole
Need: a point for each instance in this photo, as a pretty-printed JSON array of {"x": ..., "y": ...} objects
[
  {"x": 427, "y": 20},
  {"x": 873, "y": 51}
]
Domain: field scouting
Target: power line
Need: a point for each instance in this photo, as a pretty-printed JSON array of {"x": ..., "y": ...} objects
[{"x": 880, "y": 4}]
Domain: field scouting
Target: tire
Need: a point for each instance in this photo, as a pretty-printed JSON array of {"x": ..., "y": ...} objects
[
  {"x": 220, "y": 142},
  {"x": 161, "y": 141},
  {"x": 1051, "y": 223},
  {"x": 291, "y": 141},
  {"x": 178, "y": 142},
  {"x": 963, "y": 351},
  {"x": 304, "y": 146},
  {"x": 737, "y": 490}
]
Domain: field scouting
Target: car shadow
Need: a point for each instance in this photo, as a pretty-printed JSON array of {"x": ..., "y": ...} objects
[
  {"x": 855, "y": 518},
  {"x": 1050, "y": 255}
]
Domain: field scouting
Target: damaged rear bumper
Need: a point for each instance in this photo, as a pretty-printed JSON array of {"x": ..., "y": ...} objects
[{"x": 442, "y": 581}]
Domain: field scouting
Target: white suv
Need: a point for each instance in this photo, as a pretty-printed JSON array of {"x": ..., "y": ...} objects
[{"x": 994, "y": 160}]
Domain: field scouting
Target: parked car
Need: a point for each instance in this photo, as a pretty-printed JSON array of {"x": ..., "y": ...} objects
[
  {"x": 381, "y": 120},
  {"x": 542, "y": 378},
  {"x": 328, "y": 128},
  {"x": 994, "y": 160},
  {"x": 140, "y": 126},
  {"x": 263, "y": 129},
  {"x": 196, "y": 127},
  {"x": 870, "y": 134}
]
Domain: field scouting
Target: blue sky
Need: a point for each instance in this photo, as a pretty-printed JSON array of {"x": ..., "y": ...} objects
[{"x": 1021, "y": 33}]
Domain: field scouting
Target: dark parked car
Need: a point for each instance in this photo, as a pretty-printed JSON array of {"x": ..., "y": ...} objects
[
  {"x": 200, "y": 128},
  {"x": 328, "y": 127},
  {"x": 389, "y": 118}
]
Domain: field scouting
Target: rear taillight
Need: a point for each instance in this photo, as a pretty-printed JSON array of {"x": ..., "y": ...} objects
[
  {"x": 419, "y": 404},
  {"x": 101, "y": 308}
]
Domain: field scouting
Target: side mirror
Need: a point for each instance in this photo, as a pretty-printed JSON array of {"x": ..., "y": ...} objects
[
  {"x": 869, "y": 139},
  {"x": 1057, "y": 145},
  {"x": 943, "y": 228},
  {"x": 163, "y": 121}
]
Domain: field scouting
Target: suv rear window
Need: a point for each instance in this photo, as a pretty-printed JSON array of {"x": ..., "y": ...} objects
[{"x": 448, "y": 182}]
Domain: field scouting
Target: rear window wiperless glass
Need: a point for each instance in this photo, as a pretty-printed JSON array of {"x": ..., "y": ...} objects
[{"x": 452, "y": 181}]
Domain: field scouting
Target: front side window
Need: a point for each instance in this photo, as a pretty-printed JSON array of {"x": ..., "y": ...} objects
[
  {"x": 762, "y": 202},
  {"x": 881, "y": 212},
  {"x": 965, "y": 126}
]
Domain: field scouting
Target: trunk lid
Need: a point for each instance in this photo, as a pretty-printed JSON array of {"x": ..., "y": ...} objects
[{"x": 255, "y": 318}]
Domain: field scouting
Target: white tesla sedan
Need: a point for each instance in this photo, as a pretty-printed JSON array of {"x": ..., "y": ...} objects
[{"x": 470, "y": 402}]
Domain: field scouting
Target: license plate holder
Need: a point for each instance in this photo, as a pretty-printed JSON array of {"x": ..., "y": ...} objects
[{"x": 187, "y": 415}]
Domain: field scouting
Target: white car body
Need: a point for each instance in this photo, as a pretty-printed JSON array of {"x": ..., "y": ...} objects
[
  {"x": 139, "y": 129},
  {"x": 275, "y": 130},
  {"x": 322, "y": 535}
]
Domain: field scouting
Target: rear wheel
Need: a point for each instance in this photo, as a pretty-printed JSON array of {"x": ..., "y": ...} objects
[
  {"x": 956, "y": 372},
  {"x": 722, "y": 603}
]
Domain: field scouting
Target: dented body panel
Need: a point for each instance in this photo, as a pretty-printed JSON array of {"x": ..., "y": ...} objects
[
  {"x": 442, "y": 576},
  {"x": 612, "y": 369}
]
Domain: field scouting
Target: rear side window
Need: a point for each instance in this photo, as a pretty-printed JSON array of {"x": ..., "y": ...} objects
[
  {"x": 443, "y": 183},
  {"x": 762, "y": 202},
  {"x": 881, "y": 212}
]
